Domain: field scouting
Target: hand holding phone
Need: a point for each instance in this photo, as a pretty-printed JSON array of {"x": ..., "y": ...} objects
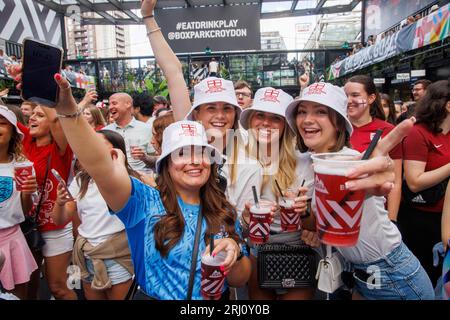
[
  {"x": 62, "y": 182},
  {"x": 41, "y": 61}
]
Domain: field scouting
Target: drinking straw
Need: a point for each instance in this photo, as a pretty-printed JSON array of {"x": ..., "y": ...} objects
[
  {"x": 373, "y": 144},
  {"x": 279, "y": 189},
  {"x": 211, "y": 243},
  {"x": 255, "y": 196},
  {"x": 299, "y": 192}
]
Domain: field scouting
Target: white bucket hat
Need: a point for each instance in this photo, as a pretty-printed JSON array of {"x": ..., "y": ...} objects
[
  {"x": 214, "y": 89},
  {"x": 11, "y": 117},
  {"x": 185, "y": 133},
  {"x": 267, "y": 100},
  {"x": 326, "y": 94}
]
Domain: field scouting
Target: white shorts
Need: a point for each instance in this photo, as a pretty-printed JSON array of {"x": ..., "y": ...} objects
[{"x": 58, "y": 241}]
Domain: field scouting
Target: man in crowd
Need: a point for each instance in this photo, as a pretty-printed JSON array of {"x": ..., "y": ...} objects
[
  {"x": 244, "y": 93},
  {"x": 213, "y": 68},
  {"x": 27, "y": 110},
  {"x": 143, "y": 107},
  {"x": 136, "y": 134},
  {"x": 420, "y": 88},
  {"x": 159, "y": 102}
]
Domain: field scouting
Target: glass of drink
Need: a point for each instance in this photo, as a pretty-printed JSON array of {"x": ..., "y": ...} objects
[
  {"x": 290, "y": 220},
  {"x": 339, "y": 210},
  {"x": 213, "y": 278},
  {"x": 259, "y": 226},
  {"x": 134, "y": 144},
  {"x": 22, "y": 171}
]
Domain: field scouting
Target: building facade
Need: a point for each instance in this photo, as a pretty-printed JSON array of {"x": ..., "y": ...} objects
[{"x": 96, "y": 41}]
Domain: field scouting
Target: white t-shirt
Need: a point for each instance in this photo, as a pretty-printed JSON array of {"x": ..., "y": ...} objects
[
  {"x": 249, "y": 173},
  {"x": 97, "y": 224},
  {"x": 303, "y": 170},
  {"x": 378, "y": 236},
  {"x": 213, "y": 66},
  {"x": 11, "y": 212}
]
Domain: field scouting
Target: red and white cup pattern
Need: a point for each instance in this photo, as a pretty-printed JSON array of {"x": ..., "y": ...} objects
[
  {"x": 259, "y": 226},
  {"x": 213, "y": 278},
  {"x": 290, "y": 220},
  {"x": 22, "y": 171}
]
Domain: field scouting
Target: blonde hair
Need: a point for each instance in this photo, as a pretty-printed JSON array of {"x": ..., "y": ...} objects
[
  {"x": 287, "y": 162},
  {"x": 15, "y": 146},
  {"x": 97, "y": 115}
]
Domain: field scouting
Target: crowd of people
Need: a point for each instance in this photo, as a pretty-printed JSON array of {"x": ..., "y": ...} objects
[{"x": 148, "y": 187}]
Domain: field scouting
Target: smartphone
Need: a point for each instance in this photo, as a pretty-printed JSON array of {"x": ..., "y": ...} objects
[
  {"x": 40, "y": 63},
  {"x": 60, "y": 180}
]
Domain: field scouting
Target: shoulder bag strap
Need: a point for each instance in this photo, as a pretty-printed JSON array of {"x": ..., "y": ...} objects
[
  {"x": 38, "y": 207},
  {"x": 195, "y": 254}
]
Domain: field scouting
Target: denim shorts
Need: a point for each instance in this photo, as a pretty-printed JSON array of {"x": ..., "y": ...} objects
[
  {"x": 116, "y": 273},
  {"x": 398, "y": 276}
]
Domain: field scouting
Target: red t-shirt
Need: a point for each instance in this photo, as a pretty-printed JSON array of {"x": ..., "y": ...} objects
[
  {"x": 362, "y": 136},
  {"x": 434, "y": 149},
  {"x": 99, "y": 127},
  {"x": 62, "y": 164}
]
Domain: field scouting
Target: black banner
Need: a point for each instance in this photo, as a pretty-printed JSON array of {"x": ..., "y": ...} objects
[{"x": 218, "y": 28}]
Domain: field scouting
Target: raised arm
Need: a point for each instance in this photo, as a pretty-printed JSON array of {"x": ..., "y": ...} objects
[
  {"x": 55, "y": 129},
  {"x": 168, "y": 61},
  {"x": 105, "y": 167}
]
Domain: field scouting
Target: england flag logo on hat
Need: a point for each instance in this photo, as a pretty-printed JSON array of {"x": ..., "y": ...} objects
[
  {"x": 214, "y": 86},
  {"x": 188, "y": 130},
  {"x": 271, "y": 95},
  {"x": 317, "y": 88}
]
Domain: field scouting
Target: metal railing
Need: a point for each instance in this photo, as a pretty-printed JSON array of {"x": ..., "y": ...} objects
[{"x": 279, "y": 69}]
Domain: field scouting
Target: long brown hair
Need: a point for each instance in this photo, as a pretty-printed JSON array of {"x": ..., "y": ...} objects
[
  {"x": 83, "y": 178},
  {"x": 215, "y": 208},
  {"x": 343, "y": 137},
  {"x": 376, "y": 109},
  {"x": 391, "y": 118},
  {"x": 431, "y": 109}
]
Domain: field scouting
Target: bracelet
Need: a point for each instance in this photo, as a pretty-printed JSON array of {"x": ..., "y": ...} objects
[
  {"x": 152, "y": 31},
  {"x": 73, "y": 115},
  {"x": 146, "y": 17}
]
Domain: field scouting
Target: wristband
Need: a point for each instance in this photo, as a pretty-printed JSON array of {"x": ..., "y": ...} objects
[
  {"x": 146, "y": 17},
  {"x": 149, "y": 32},
  {"x": 73, "y": 115}
]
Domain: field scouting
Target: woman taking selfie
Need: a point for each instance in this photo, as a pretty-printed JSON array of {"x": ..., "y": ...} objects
[
  {"x": 161, "y": 223},
  {"x": 319, "y": 119}
]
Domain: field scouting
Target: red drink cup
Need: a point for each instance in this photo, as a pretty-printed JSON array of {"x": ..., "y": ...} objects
[
  {"x": 290, "y": 220},
  {"x": 212, "y": 277},
  {"x": 259, "y": 226},
  {"x": 22, "y": 171},
  {"x": 339, "y": 211}
]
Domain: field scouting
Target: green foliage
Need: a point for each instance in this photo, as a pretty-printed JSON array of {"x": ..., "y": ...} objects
[
  {"x": 224, "y": 73},
  {"x": 153, "y": 88}
]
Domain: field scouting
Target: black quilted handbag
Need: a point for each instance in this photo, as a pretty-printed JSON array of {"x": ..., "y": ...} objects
[{"x": 282, "y": 266}]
